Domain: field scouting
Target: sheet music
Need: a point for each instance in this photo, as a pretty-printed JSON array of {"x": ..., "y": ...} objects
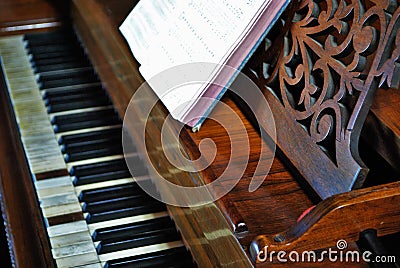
[
  {"x": 144, "y": 24},
  {"x": 167, "y": 33}
]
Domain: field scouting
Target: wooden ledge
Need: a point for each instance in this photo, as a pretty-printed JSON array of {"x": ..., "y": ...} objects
[{"x": 318, "y": 229}]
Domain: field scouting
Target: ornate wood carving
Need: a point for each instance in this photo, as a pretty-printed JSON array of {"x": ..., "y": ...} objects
[{"x": 322, "y": 73}]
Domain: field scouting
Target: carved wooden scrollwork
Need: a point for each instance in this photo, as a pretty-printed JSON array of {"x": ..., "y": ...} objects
[{"x": 324, "y": 68}]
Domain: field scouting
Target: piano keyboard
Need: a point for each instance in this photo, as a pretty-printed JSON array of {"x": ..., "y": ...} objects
[{"x": 96, "y": 214}]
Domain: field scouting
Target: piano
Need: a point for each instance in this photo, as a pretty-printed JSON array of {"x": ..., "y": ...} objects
[{"x": 68, "y": 198}]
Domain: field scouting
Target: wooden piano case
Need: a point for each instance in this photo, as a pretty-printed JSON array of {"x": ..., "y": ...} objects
[{"x": 212, "y": 232}]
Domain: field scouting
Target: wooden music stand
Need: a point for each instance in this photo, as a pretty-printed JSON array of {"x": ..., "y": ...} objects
[{"x": 332, "y": 58}]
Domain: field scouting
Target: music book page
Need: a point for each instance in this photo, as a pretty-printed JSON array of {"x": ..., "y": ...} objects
[{"x": 164, "y": 34}]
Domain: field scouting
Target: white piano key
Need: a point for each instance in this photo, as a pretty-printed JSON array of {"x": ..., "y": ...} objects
[
  {"x": 94, "y": 226},
  {"x": 53, "y": 182},
  {"x": 58, "y": 200},
  {"x": 94, "y": 265},
  {"x": 17, "y": 63},
  {"x": 11, "y": 55},
  {"x": 138, "y": 251},
  {"x": 6, "y": 44},
  {"x": 33, "y": 129},
  {"x": 35, "y": 150},
  {"x": 75, "y": 255},
  {"x": 42, "y": 155},
  {"x": 45, "y": 165},
  {"x": 62, "y": 235},
  {"x": 55, "y": 191},
  {"x": 73, "y": 250},
  {"x": 16, "y": 73},
  {"x": 24, "y": 96},
  {"x": 54, "y": 211},
  {"x": 35, "y": 143},
  {"x": 23, "y": 82},
  {"x": 67, "y": 228},
  {"x": 9, "y": 42},
  {"x": 27, "y": 108},
  {"x": 45, "y": 162},
  {"x": 70, "y": 239}
]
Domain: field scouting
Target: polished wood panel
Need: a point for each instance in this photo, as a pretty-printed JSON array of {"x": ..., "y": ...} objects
[{"x": 20, "y": 16}]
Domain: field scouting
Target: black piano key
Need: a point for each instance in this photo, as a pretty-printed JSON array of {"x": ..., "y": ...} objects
[
  {"x": 89, "y": 136},
  {"x": 61, "y": 74},
  {"x": 95, "y": 143},
  {"x": 105, "y": 176},
  {"x": 112, "y": 143},
  {"x": 73, "y": 105},
  {"x": 68, "y": 81},
  {"x": 112, "y": 165},
  {"x": 48, "y": 38},
  {"x": 110, "y": 173},
  {"x": 109, "y": 192},
  {"x": 44, "y": 49},
  {"x": 51, "y": 55},
  {"x": 163, "y": 235},
  {"x": 82, "y": 117},
  {"x": 60, "y": 79},
  {"x": 72, "y": 98},
  {"x": 101, "y": 122},
  {"x": 93, "y": 153},
  {"x": 98, "y": 144},
  {"x": 72, "y": 91},
  {"x": 96, "y": 168},
  {"x": 173, "y": 258},
  {"x": 58, "y": 60},
  {"x": 38, "y": 69},
  {"x": 116, "y": 203},
  {"x": 121, "y": 232},
  {"x": 151, "y": 206}
]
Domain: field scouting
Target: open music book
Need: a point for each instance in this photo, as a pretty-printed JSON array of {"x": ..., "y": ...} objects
[{"x": 193, "y": 40}]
